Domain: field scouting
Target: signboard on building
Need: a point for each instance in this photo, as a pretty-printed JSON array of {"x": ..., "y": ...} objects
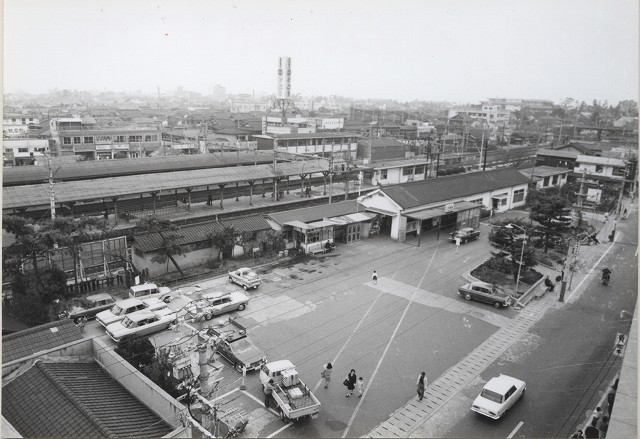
[
  {"x": 103, "y": 147},
  {"x": 449, "y": 207},
  {"x": 121, "y": 147},
  {"x": 284, "y": 77},
  {"x": 102, "y": 139}
]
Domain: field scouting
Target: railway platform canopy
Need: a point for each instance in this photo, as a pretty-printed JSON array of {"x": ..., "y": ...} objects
[{"x": 37, "y": 195}]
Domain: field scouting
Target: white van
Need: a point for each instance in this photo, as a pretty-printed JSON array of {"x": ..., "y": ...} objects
[{"x": 148, "y": 290}]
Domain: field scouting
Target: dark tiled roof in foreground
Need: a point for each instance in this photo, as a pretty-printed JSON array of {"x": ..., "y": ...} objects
[
  {"x": 76, "y": 400},
  {"x": 421, "y": 193},
  {"x": 41, "y": 338}
]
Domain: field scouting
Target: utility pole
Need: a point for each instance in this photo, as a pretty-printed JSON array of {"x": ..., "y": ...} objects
[
  {"x": 52, "y": 194},
  {"x": 330, "y": 177}
]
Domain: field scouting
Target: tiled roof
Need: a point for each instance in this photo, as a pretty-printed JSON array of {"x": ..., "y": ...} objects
[
  {"x": 41, "y": 338},
  {"x": 421, "y": 193},
  {"x": 74, "y": 399},
  {"x": 310, "y": 214},
  {"x": 199, "y": 232}
]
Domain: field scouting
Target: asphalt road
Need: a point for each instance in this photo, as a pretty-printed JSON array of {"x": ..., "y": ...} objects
[{"x": 567, "y": 358}]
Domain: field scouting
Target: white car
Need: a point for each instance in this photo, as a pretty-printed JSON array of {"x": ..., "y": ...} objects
[
  {"x": 142, "y": 323},
  {"x": 245, "y": 277},
  {"x": 216, "y": 303},
  {"x": 127, "y": 306},
  {"x": 498, "y": 396}
]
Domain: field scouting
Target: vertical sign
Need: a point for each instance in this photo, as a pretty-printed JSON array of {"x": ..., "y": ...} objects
[{"x": 284, "y": 78}]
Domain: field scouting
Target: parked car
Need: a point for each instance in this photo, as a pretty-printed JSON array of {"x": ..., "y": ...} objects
[
  {"x": 216, "y": 303},
  {"x": 485, "y": 292},
  {"x": 465, "y": 234},
  {"x": 127, "y": 306},
  {"x": 87, "y": 307},
  {"x": 142, "y": 323},
  {"x": 147, "y": 290},
  {"x": 232, "y": 342},
  {"x": 245, "y": 277},
  {"x": 498, "y": 396}
]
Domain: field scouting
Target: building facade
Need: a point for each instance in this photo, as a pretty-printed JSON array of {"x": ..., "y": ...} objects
[{"x": 18, "y": 152}]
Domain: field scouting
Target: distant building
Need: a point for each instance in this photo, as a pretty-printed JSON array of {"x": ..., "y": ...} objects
[
  {"x": 18, "y": 152},
  {"x": 83, "y": 137},
  {"x": 219, "y": 93},
  {"x": 494, "y": 115},
  {"x": 611, "y": 168},
  {"x": 17, "y": 125},
  {"x": 339, "y": 145},
  {"x": 546, "y": 176},
  {"x": 519, "y": 104}
]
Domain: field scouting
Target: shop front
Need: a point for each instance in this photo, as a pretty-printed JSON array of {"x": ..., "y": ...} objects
[
  {"x": 445, "y": 218},
  {"x": 309, "y": 238}
]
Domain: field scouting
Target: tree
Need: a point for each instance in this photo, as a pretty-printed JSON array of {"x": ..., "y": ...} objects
[
  {"x": 28, "y": 245},
  {"x": 550, "y": 211},
  {"x": 137, "y": 350},
  {"x": 169, "y": 233},
  {"x": 160, "y": 371},
  {"x": 224, "y": 238},
  {"x": 510, "y": 241}
]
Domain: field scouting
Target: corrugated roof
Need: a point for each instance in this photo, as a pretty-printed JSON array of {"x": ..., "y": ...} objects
[
  {"x": 557, "y": 153},
  {"x": 421, "y": 193},
  {"x": 199, "y": 232},
  {"x": 381, "y": 143},
  {"x": 74, "y": 399},
  {"x": 316, "y": 213},
  {"x": 38, "y": 195},
  {"x": 544, "y": 171},
  {"x": 114, "y": 168},
  {"x": 609, "y": 161},
  {"x": 41, "y": 338}
]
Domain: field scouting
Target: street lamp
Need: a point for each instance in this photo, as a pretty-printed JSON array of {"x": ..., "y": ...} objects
[{"x": 511, "y": 226}]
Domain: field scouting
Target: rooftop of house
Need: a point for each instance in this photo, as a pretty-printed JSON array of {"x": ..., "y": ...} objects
[
  {"x": 75, "y": 399},
  {"x": 316, "y": 213},
  {"x": 39, "y": 339},
  {"x": 425, "y": 192},
  {"x": 543, "y": 171}
]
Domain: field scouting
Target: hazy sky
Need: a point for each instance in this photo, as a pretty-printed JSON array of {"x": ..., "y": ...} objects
[{"x": 456, "y": 50}]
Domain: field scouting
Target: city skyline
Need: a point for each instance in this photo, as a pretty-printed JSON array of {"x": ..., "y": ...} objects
[{"x": 413, "y": 50}]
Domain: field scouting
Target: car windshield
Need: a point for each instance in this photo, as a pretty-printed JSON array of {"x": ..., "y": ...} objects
[
  {"x": 242, "y": 345},
  {"x": 491, "y": 395},
  {"x": 128, "y": 323},
  {"x": 116, "y": 310}
]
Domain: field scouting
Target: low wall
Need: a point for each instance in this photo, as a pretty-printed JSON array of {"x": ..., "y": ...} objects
[
  {"x": 139, "y": 385},
  {"x": 82, "y": 348}
]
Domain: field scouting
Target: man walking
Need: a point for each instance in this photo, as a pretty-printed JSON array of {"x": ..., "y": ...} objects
[
  {"x": 268, "y": 390},
  {"x": 374, "y": 277},
  {"x": 457, "y": 243}
]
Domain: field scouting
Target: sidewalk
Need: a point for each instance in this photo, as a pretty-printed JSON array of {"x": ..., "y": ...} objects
[{"x": 408, "y": 421}]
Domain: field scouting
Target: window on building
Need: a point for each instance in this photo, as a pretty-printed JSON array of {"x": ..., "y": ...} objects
[
  {"x": 476, "y": 201},
  {"x": 408, "y": 170},
  {"x": 88, "y": 139},
  {"x": 77, "y": 140},
  {"x": 151, "y": 138},
  {"x": 555, "y": 179},
  {"x": 66, "y": 140},
  {"x": 313, "y": 235},
  {"x": 121, "y": 139},
  {"x": 383, "y": 174},
  {"x": 518, "y": 195},
  {"x": 13, "y": 120},
  {"x": 599, "y": 169},
  {"x": 419, "y": 170},
  {"x": 136, "y": 138},
  {"x": 23, "y": 149},
  {"x": 41, "y": 149},
  {"x": 546, "y": 181},
  {"x": 287, "y": 235}
]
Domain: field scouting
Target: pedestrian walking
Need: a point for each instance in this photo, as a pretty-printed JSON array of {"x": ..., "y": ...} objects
[
  {"x": 360, "y": 387},
  {"x": 374, "y": 277},
  {"x": 268, "y": 390},
  {"x": 594, "y": 239},
  {"x": 326, "y": 374},
  {"x": 597, "y": 413},
  {"x": 421, "y": 385},
  {"x": 611, "y": 396},
  {"x": 550, "y": 285},
  {"x": 457, "y": 243},
  {"x": 350, "y": 382},
  {"x": 578, "y": 435}
]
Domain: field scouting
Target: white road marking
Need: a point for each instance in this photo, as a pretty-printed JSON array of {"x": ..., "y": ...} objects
[
  {"x": 592, "y": 268},
  {"x": 289, "y": 424},
  {"x": 386, "y": 349},
  {"x": 464, "y": 261},
  {"x": 515, "y": 430}
]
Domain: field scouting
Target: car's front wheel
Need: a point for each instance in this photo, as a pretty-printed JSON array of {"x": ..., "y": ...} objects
[
  {"x": 283, "y": 417},
  {"x": 79, "y": 320},
  {"x": 238, "y": 367},
  {"x": 245, "y": 287},
  {"x": 241, "y": 307},
  {"x": 230, "y": 279},
  {"x": 467, "y": 296},
  {"x": 208, "y": 316},
  {"x": 497, "y": 305}
]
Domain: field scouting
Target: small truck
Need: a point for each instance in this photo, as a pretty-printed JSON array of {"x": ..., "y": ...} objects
[
  {"x": 294, "y": 399},
  {"x": 245, "y": 277},
  {"x": 465, "y": 234}
]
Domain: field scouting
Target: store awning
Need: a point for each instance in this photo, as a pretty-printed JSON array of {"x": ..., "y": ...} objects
[{"x": 440, "y": 211}]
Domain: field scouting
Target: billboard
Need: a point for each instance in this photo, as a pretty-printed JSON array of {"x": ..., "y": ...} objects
[{"x": 284, "y": 77}]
